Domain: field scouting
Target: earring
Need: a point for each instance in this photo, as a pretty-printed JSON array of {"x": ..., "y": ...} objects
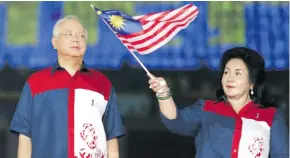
[{"x": 252, "y": 92}]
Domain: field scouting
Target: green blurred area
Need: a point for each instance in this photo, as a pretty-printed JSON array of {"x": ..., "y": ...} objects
[
  {"x": 22, "y": 17},
  {"x": 228, "y": 17}
]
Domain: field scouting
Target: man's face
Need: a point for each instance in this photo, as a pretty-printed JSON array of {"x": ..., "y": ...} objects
[{"x": 71, "y": 39}]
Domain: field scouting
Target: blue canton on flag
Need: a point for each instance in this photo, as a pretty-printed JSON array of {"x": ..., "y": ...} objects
[{"x": 120, "y": 23}]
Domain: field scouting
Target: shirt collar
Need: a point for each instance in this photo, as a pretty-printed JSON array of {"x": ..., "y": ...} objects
[
  {"x": 245, "y": 109},
  {"x": 56, "y": 67}
]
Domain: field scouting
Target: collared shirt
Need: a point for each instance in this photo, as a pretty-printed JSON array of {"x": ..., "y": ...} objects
[
  {"x": 220, "y": 132},
  {"x": 56, "y": 66},
  {"x": 68, "y": 116}
]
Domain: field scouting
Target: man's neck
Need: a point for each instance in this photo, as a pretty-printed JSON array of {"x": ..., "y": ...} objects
[
  {"x": 71, "y": 64},
  {"x": 239, "y": 103}
]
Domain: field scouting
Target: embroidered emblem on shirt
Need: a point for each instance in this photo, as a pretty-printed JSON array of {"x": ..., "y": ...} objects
[
  {"x": 88, "y": 134},
  {"x": 257, "y": 147},
  {"x": 84, "y": 153}
]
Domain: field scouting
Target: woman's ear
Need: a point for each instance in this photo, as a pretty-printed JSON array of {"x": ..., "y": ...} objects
[{"x": 252, "y": 86}]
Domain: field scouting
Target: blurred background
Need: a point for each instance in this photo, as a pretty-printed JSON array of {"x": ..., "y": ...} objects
[{"x": 189, "y": 62}]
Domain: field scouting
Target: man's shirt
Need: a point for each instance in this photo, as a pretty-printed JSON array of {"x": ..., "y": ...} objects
[
  {"x": 68, "y": 117},
  {"x": 220, "y": 132}
]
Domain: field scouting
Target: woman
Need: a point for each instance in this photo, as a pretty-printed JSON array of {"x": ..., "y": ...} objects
[{"x": 240, "y": 124}]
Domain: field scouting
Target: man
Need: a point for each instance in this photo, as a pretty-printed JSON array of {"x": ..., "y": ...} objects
[{"x": 68, "y": 110}]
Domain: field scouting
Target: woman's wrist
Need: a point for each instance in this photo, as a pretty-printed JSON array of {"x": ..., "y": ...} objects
[{"x": 164, "y": 96}]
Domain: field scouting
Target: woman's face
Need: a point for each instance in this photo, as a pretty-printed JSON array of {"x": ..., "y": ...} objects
[{"x": 235, "y": 79}]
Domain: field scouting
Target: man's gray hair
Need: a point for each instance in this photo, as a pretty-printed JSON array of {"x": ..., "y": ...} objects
[{"x": 55, "y": 31}]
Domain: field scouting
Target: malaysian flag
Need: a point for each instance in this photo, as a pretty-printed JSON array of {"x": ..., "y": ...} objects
[{"x": 146, "y": 33}]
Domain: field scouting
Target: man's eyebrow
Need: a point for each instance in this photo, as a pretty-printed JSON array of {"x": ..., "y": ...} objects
[{"x": 67, "y": 30}]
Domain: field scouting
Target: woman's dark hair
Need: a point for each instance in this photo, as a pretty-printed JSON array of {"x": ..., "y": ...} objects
[{"x": 256, "y": 68}]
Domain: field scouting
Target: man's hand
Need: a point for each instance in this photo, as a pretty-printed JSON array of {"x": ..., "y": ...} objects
[
  {"x": 24, "y": 147},
  {"x": 113, "y": 148}
]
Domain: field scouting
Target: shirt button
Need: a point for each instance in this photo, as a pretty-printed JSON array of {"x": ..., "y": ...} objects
[{"x": 235, "y": 150}]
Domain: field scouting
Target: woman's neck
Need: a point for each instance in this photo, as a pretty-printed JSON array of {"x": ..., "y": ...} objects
[{"x": 239, "y": 103}]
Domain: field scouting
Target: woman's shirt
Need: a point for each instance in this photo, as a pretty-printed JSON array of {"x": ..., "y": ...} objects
[{"x": 220, "y": 132}]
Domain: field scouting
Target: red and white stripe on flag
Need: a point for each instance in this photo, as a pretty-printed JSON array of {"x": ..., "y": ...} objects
[{"x": 158, "y": 29}]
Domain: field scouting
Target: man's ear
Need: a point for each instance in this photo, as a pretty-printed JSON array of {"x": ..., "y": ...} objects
[{"x": 53, "y": 41}]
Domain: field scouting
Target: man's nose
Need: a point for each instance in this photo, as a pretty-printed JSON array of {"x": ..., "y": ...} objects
[{"x": 75, "y": 38}]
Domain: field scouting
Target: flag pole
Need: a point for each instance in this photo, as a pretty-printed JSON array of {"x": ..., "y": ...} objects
[{"x": 133, "y": 54}]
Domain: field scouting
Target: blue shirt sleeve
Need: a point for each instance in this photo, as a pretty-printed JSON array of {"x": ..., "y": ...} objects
[
  {"x": 279, "y": 137},
  {"x": 112, "y": 120},
  {"x": 188, "y": 120},
  {"x": 21, "y": 121}
]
